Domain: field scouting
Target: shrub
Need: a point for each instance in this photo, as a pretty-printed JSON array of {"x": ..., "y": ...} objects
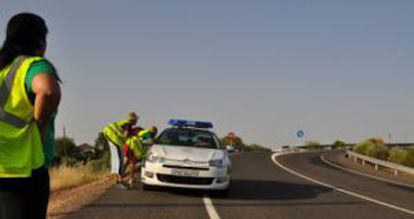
[
  {"x": 255, "y": 147},
  {"x": 361, "y": 147},
  {"x": 375, "y": 149},
  {"x": 377, "y": 140},
  {"x": 398, "y": 155},
  {"x": 403, "y": 156},
  {"x": 409, "y": 160},
  {"x": 313, "y": 145},
  {"x": 102, "y": 164},
  {"x": 338, "y": 144},
  {"x": 378, "y": 151}
]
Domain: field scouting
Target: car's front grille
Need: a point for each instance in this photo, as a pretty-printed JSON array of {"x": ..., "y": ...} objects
[
  {"x": 186, "y": 168},
  {"x": 185, "y": 179}
]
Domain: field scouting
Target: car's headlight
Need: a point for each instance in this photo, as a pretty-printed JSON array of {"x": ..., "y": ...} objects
[
  {"x": 155, "y": 158},
  {"x": 216, "y": 163}
]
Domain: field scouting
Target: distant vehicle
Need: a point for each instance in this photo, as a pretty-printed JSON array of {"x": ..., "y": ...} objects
[
  {"x": 230, "y": 149},
  {"x": 187, "y": 155},
  {"x": 281, "y": 149}
]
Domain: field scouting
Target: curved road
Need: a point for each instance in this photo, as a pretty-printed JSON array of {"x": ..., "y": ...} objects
[{"x": 262, "y": 189}]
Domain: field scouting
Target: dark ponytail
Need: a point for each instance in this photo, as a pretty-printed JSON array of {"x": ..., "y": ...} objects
[{"x": 25, "y": 34}]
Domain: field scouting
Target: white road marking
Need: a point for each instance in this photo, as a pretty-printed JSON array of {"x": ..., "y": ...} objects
[
  {"x": 211, "y": 210},
  {"x": 340, "y": 189},
  {"x": 363, "y": 174}
]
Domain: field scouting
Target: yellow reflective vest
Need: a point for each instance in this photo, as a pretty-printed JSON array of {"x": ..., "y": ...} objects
[
  {"x": 21, "y": 149},
  {"x": 114, "y": 133},
  {"x": 136, "y": 143}
]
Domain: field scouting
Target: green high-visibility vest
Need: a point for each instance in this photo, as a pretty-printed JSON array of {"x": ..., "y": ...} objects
[
  {"x": 21, "y": 149},
  {"x": 114, "y": 133},
  {"x": 145, "y": 136}
]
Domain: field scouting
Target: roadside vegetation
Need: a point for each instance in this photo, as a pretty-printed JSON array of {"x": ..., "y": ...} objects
[
  {"x": 256, "y": 148},
  {"x": 313, "y": 145},
  {"x": 239, "y": 145},
  {"x": 75, "y": 165},
  {"x": 377, "y": 149},
  {"x": 316, "y": 145},
  {"x": 339, "y": 144},
  {"x": 63, "y": 177}
]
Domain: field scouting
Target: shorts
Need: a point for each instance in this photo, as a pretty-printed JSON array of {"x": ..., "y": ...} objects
[
  {"x": 25, "y": 197},
  {"x": 126, "y": 150}
]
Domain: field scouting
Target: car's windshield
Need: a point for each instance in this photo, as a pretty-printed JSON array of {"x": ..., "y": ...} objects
[{"x": 188, "y": 137}]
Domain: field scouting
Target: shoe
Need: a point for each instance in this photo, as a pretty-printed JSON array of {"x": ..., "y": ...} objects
[
  {"x": 121, "y": 186},
  {"x": 131, "y": 184}
]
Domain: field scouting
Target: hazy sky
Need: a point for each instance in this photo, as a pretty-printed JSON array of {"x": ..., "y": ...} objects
[{"x": 263, "y": 69}]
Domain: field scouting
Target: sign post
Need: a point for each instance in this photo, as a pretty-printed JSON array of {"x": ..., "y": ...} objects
[{"x": 300, "y": 135}]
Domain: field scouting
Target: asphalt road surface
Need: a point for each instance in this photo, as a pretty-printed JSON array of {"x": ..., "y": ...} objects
[{"x": 262, "y": 189}]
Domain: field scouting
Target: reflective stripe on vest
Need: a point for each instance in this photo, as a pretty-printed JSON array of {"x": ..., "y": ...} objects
[{"x": 5, "y": 91}]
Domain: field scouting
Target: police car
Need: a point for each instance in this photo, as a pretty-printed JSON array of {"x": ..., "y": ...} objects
[{"x": 187, "y": 155}]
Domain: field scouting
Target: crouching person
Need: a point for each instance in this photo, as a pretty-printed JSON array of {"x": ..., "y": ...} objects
[{"x": 136, "y": 148}]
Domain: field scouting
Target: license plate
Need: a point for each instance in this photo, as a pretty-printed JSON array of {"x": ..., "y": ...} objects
[{"x": 179, "y": 172}]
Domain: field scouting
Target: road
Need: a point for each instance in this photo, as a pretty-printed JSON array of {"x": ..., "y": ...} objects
[{"x": 262, "y": 189}]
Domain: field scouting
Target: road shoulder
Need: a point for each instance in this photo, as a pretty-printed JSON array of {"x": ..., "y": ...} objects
[
  {"x": 338, "y": 160},
  {"x": 67, "y": 201},
  {"x": 338, "y": 188}
]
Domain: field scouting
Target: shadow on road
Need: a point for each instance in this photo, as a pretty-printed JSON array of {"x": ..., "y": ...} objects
[
  {"x": 258, "y": 190},
  {"x": 242, "y": 193}
]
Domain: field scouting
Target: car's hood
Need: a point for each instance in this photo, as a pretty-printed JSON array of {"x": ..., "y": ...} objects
[{"x": 187, "y": 153}]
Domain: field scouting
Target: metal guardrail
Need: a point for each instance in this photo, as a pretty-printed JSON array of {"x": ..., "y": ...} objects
[{"x": 377, "y": 163}]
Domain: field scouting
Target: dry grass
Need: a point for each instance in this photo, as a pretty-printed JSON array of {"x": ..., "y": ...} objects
[{"x": 64, "y": 177}]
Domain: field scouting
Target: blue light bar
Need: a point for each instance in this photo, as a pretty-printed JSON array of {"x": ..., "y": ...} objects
[{"x": 189, "y": 123}]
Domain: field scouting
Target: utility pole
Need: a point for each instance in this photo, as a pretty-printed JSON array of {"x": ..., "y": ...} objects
[
  {"x": 64, "y": 132},
  {"x": 389, "y": 137}
]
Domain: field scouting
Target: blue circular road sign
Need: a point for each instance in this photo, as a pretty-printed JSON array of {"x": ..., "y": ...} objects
[{"x": 300, "y": 134}]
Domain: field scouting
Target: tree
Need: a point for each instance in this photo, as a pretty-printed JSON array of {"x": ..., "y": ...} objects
[
  {"x": 64, "y": 146},
  {"x": 103, "y": 157},
  {"x": 65, "y": 151},
  {"x": 101, "y": 143},
  {"x": 339, "y": 144},
  {"x": 236, "y": 142}
]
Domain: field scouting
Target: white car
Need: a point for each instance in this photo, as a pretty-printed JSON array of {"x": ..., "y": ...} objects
[
  {"x": 187, "y": 155},
  {"x": 230, "y": 149},
  {"x": 281, "y": 149}
]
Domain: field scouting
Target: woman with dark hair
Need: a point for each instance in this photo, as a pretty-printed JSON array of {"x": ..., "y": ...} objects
[{"x": 29, "y": 98}]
